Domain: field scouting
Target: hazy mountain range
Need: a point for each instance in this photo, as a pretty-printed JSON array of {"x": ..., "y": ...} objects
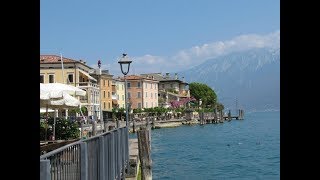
[{"x": 248, "y": 79}]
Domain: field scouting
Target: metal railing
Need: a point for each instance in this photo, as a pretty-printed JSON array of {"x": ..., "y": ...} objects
[
  {"x": 105, "y": 156},
  {"x": 87, "y": 84}
]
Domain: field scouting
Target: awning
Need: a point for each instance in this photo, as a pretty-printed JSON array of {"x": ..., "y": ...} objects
[
  {"x": 87, "y": 74},
  {"x": 114, "y": 101}
]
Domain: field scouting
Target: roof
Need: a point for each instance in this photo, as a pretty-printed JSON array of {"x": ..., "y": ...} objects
[
  {"x": 163, "y": 78},
  {"x": 135, "y": 77},
  {"x": 54, "y": 59}
]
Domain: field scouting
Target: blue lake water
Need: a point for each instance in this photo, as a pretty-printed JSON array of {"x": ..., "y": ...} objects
[{"x": 239, "y": 149}]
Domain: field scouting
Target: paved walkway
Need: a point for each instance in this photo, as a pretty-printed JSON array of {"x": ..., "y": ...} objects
[{"x": 133, "y": 157}]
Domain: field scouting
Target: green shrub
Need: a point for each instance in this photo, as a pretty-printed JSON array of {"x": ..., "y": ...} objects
[{"x": 65, "y": 129}]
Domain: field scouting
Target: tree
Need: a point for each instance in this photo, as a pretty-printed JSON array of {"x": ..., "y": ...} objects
[
  {"x": 203, "y": 92},
  {"x": 220, "y": 107}
]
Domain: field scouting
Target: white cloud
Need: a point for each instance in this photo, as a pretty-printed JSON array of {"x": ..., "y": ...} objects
[
  {"x": 196, "y": 55},
  {"x": 149, "y": 59}
]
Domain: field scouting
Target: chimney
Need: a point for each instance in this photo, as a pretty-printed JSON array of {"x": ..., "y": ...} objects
[
  {"x": 167, "y": 75},
  {"x": 82, "y": 61},
  {"x": 105, "y": 71},
  {"x": 175, "y": 75}
]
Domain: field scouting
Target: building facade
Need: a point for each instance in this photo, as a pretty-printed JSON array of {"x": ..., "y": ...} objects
[
  {"x": 105, "y": 83},
  {"x": 118, "y": 93},
  {"x": 142, "y": 92},
  {"x": 170, "y": 88},
  {"x": 57, "y": 69}
]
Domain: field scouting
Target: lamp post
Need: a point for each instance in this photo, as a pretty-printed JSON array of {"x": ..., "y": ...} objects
[{"x": 125, "y": 66}]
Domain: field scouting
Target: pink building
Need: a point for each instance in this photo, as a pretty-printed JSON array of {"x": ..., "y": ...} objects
[{"x": 142, "y": 91}]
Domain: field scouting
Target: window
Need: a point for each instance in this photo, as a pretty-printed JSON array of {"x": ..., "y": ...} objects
[
  {"x": 122, "y": 87},
  {"x": 104, "y": 94},
  {"x": 151, "y": 95},
  {"x": 109, "y": 105},
  {"x": 104, "y": 105},
  {"x": 122, "y": 97},
  {"x": 139, "y": 105},
  {"x": 51, "y": 78},
  {"x": 146, "y": 94},
  {"x": 41, "y": 78},
  {"x": 146, "y": 104},
  {"x": 155, "y": 86},
  {"x": 162, "y": 86},
  {"x": 70, "y": 78},
  {"x": 108, "y": 94},
  {"x": 151, "y": 86},
  {"x": 139, "y": 85},
  {"x": 104, "y": 82},
  {"x": 155, "y": 95},
  {"x": 139, "y": 94},
  {"x": 146, "y": 85},
  {"x": 108, "y": 83},
  {"x": 129, "y": 95},
  {"x": 118, "y": 97}
]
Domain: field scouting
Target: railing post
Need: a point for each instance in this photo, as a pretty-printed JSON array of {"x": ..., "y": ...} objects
[
  {"x": 112, "y": 155},
  {"x": 45, "y": 170},
  {"x": 127, "y": 147},
  {"x": 101, "y": 154},
  {"x": 105, "y": 125},
  {"x": 83, "y": 161}
]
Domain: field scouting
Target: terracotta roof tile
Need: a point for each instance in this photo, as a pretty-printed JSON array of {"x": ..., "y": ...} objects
[
  {"x": 135, "y": 77},
  {"x": 54, "y": 59}
]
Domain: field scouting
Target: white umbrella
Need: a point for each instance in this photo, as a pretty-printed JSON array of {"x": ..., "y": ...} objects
[
  {"x": 43, "y": 110},
  {"x": 57, "y": 95},
  {"x": 55, "y": 90},
  {"x": 65, "y": 102}
]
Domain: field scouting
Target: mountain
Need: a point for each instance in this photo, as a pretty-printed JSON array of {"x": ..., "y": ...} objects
[{"x": 248, "y": 79}]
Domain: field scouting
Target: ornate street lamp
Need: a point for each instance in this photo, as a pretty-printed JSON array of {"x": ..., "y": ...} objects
[
  {"x": 125, "y": 67},
  {"x": 125, "y": 64}
]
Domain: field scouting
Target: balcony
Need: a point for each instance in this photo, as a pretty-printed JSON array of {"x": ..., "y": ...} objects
[
  {"x": 84, "y": 100},
  {"x": 184, "y": 93},
  {"x": 83, "y": 85},
  {"x": 114, "y": 97}
]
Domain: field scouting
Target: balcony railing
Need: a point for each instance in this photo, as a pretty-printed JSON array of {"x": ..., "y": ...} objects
[{"x": 87, "y": 84}]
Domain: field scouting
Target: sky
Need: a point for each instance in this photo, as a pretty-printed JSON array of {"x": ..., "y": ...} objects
[{"x": 158, "y": 36}]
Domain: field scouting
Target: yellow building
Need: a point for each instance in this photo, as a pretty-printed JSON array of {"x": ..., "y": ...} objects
[
  {"x": 54, "y": 69},
  {"x": 105, "y": 83},
  {"x": 118, "y": 92}
]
